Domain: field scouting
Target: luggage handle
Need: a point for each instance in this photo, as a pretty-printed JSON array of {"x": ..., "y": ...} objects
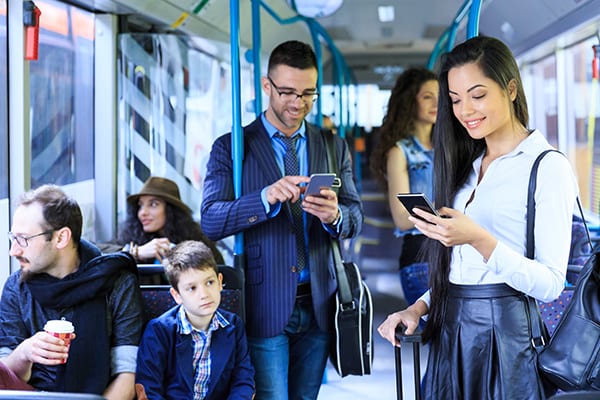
[
  {"x": 402, "y": 337},
  {"x": 415, "y": 339}
]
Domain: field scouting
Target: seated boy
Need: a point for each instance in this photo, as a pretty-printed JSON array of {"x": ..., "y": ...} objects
[{"x": 195, "y": 351}]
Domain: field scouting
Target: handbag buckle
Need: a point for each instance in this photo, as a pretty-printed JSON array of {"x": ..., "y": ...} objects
[
  {"x": 347, "y": 307},
  {"x": 538, "y": 342}
]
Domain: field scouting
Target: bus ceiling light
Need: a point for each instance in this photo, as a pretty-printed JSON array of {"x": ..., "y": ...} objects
[
  {"x": 385, "y": 13},
  {"x": 315, "y": 8}
]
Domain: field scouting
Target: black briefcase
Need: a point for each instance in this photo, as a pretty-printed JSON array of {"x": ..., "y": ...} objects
[{"x": 351, "y": 348}]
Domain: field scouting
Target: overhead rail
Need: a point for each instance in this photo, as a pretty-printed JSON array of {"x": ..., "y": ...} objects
[
  {"x": 237, "y": 140},
  {"x": 343, "y": 78},
  {"x": 257, "y": 46},
  {"x": 472, "y": 8},
  {"x": 236, "y": 130},
  {"x": 342, "y": 75}
]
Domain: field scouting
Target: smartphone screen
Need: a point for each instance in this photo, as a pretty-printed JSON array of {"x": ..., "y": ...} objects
[
  {"x": 318, "y": 181},
  {"x": 416, "y": 200}
]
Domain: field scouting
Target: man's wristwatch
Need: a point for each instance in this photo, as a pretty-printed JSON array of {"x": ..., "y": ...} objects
[{"x": 336, "y": 221}]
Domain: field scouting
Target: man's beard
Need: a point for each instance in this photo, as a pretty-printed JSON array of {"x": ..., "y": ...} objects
[{"x": 26, "y": 275}]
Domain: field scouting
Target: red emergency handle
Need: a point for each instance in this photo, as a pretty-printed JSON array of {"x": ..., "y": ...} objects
[
  {"x": 595, "y": 69},
  {"x": 32, "y": 37}
]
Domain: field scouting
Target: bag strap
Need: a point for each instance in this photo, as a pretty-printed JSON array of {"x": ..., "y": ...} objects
[
  {"x": 537, "y": 328},
  {"x": 342, "y": 279},
  {"x": 530, "y": 244}
]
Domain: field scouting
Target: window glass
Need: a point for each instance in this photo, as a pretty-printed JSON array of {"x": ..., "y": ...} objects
[
  {"x": 4, "y": 214},
  {"x": 540, "y": 83},
  {"x": 61, "y": 97},
  {"x": 582, "y": 113},
  {"x": 366, "y": 105},
  {"x": 3, "y": 105}
]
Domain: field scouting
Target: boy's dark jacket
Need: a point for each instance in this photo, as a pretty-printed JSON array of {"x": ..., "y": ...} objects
[{"x": 164, "y": 362}]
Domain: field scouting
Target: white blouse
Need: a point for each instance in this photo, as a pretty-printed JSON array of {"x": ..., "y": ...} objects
[{"x": 499, "y": 205}]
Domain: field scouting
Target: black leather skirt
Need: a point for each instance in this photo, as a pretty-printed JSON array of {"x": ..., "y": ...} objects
[{"x": 484, "y": 348}]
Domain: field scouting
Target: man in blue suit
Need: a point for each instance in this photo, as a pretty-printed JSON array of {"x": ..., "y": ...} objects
[{"x": 290, "y": 279}]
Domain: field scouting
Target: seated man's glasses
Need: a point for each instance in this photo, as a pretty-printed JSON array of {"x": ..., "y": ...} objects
[
  {"x": 288, "y": 94},
  {"x": 23, "y": 241}
]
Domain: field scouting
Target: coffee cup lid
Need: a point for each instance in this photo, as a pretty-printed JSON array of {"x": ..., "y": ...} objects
[{"x": 59, "y": 326}]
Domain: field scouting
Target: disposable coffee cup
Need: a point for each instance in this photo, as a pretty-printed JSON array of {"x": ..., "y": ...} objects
[{"x": 61, "y": 329}]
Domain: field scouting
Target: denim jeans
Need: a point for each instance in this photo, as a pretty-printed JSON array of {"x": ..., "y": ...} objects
[{"x": 290, "y": 366}]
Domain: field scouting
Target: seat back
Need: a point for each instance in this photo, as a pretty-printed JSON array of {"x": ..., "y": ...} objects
[
  {"x": 553, "y": 311},
  {"x": 157, "y": 298},
  {"x": 232, "y": 295}
]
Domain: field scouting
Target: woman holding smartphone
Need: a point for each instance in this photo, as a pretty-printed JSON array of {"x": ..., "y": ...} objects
[
  {"x": 402, "y": 162},
  {"x": 478, "y": 323}
]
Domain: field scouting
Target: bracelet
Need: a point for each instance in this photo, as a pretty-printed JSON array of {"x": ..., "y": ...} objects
[
  {"x": 133, "y": 249},
  {"x": 336, "y": 220}
]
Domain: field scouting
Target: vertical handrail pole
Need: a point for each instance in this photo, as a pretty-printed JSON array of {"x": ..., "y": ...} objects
[
  {"x": 237, "y": 140},
  {"x": 473, "y": 21},
  {"x": 319, "y": 54},
  {"x": 448, "y": 37},
  {"x": 256, "y": 49}
]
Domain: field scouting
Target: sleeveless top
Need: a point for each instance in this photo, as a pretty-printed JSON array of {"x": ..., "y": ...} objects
[{"x": 419, "y": 162}]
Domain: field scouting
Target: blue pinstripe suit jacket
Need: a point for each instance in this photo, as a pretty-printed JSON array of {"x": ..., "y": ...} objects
[{"x": 269, "y": 243}]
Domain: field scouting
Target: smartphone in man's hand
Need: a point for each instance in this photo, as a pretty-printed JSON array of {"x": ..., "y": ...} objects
[{"x": 318, "y": 182}]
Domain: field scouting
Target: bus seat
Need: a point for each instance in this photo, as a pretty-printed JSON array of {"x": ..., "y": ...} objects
[
  {"x": 552, "y": 311},
  {"x": 157, "y": 299}
]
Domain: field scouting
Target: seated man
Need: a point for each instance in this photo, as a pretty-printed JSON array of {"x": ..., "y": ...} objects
[
  {"x": 65, "y": 277},
  {"x": 195, "y": 351}
]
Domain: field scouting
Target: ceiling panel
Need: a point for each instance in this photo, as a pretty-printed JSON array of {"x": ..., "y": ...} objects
[{"x": 373, "y": 49}]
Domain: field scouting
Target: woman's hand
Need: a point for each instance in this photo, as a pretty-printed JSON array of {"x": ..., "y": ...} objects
[
  {"x": 156, "y": 248},
  {"x": 454, "y": 228},
  {"x": 408, "y": 318}
]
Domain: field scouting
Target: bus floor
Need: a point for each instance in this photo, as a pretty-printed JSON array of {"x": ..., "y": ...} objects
[{"x": 384, "y": 283}]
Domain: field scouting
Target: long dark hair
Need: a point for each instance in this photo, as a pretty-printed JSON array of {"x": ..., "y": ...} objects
[
  {"x": 399, "y": 121},
  {"x": 179, "y": 226},
  {"x": 455, "y": 150}
]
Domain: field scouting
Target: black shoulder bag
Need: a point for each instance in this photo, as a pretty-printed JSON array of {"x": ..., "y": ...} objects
[
  {"x": 351, "y": 343},
  {"x": 571, "y": 359}
]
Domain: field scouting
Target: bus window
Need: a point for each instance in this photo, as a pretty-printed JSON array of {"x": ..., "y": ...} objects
[{"x": 61, "y": 113}]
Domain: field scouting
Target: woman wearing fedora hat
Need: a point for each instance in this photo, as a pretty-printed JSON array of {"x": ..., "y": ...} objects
[{"x": 157, "y": 219}]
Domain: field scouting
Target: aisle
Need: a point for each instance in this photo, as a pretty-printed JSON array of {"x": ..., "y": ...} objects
[{"x": 380, "y": 385}]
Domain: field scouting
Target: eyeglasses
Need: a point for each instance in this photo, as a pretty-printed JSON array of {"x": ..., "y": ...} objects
[
  {"x": 23, "y": 241},
  {"x": 290, "y": 95}
]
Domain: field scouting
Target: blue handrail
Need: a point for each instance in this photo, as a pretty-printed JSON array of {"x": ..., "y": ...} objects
[
  {"x": 473, "y": 21},
  {"x": 256, "y": 48},
  {"x": 472, "y": 8},
  {"x": 237, "y": 140}
]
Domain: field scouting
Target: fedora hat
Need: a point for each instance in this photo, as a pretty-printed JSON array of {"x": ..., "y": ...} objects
[{"x": 163, "y": 188}]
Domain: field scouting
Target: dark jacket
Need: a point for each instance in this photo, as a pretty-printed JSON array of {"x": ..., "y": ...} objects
[
  {"x": 165, "y": 358},
  {"x": 270, "y": 243}
]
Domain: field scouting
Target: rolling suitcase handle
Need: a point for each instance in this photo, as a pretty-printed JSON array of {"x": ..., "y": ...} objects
[{"x": 415, "y": 339}]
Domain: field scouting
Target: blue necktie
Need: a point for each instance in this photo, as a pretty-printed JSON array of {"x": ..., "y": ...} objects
[{"x": 290, "y": 163}]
